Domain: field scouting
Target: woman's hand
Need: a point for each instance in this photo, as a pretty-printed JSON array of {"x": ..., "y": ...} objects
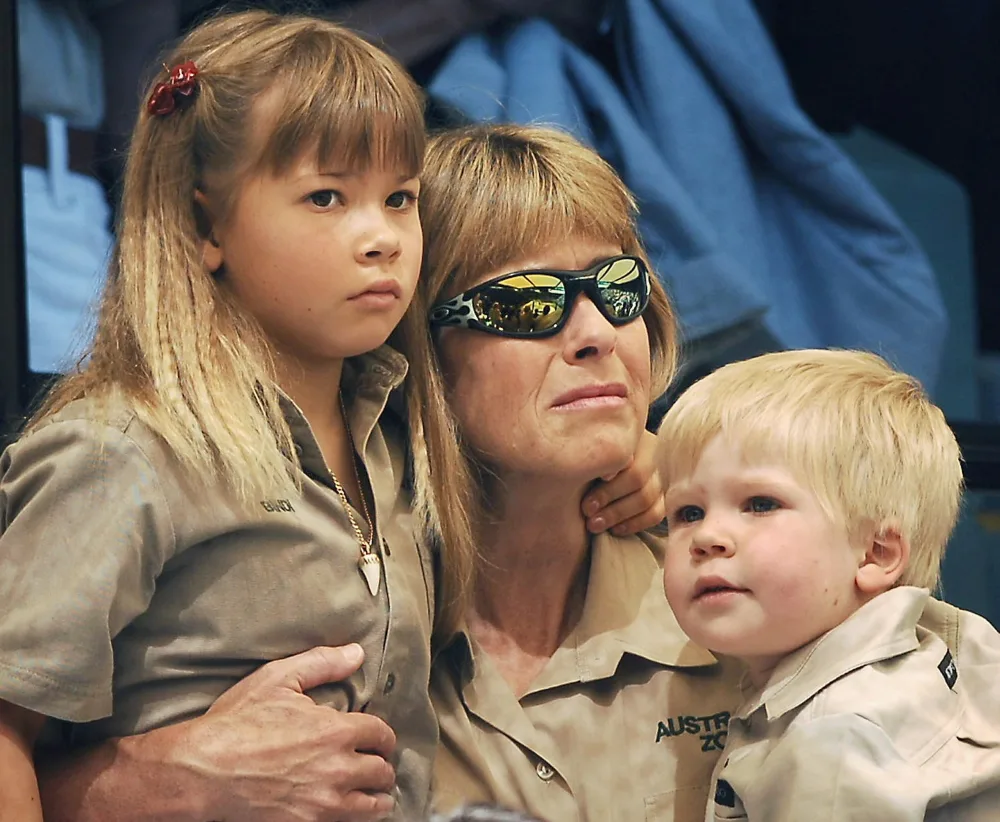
[
  {"x": 632, "y": 500},
  {"x": 264, "y": 752}
]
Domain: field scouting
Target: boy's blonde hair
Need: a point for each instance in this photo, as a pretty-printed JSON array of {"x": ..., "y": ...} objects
[
  {"x": 863, "y": 436},
  {"x": 491, "y": 194},
  {"x": 170, "y": 339}
]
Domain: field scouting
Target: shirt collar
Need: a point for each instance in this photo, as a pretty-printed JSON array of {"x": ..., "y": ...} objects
[
  {"x": 625, "y": 612},
  {"x": 367, "y": 382},
  {"x": 880, "y": 629}
]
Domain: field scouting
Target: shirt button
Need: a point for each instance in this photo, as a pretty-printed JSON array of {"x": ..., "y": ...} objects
[
  {"x": 390, "y": 683},
  {"x": 544, "y": 770}
]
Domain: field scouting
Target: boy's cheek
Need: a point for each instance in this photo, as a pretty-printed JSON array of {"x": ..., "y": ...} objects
[{"x": 674, "y": 585}]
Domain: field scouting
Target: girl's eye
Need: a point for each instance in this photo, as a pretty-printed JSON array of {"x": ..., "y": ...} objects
[
  {"x": 325, "y": 198},
  {"x": 688, "y": 513},
  {"x": 401, "y": 199},
  {"x": 762, "y": 505}
]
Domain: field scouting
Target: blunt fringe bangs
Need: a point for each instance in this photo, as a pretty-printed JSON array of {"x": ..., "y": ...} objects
[
  {"x": 862, "y": 436},
  {"x": 353, "y": 97}
]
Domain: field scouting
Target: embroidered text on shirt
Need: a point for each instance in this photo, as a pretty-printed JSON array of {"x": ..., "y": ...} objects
[
  {"x": 948, "y": 670},
  {"x": 274, "y": 506},
  {"x": 711, "y": 730}
]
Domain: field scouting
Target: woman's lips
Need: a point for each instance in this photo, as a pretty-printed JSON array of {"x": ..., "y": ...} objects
[{"x": 593, "y": 396}]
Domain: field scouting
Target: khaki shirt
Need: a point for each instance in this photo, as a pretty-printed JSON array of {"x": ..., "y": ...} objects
[
  {"x": 130, "y": 599},
  {"x": 878, "y": 720},
  {"x": 625, "y": 722}
]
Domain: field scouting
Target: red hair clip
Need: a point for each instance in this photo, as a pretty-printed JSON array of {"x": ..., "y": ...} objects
[{"x": 179, "y": 86}]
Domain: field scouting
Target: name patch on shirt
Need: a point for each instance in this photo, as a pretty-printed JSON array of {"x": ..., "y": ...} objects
[
  {"x": 724, "y": 794},
  {"x": 711, "y": 730},
  {"x": 948, "y": 670},
  {"x": 275, "y": 506},
  {"x": 727, "y": 803}
]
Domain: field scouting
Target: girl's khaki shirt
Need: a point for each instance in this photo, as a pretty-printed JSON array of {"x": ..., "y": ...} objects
[
  {"x": 132, "y": 599},
  {"x": 625, "y": 722}
]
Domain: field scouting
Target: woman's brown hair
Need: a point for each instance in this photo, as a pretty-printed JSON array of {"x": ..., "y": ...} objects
[{"x": 489, "y": 195}]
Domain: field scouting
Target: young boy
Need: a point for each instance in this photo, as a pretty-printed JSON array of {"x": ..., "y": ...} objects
[{"x": 810, "y": 495}]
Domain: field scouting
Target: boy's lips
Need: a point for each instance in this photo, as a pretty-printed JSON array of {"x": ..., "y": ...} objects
[{"x": 715, "y": 585}]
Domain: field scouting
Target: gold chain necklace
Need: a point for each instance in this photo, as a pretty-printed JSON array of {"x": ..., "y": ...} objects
[{"x": 369, "y": 562}]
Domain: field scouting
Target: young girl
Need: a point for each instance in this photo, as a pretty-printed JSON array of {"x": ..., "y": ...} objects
[{"x": 221, "y": 484}]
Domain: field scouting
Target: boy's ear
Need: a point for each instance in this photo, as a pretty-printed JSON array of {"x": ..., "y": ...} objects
[
  {"x": 887, "y": 553},
  {"x": 211, "y": 249}
]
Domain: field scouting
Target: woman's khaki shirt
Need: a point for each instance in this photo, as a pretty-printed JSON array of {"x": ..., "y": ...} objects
[
  {"x": 624, "y": 723},
  {"x": 131, "y": 598}
]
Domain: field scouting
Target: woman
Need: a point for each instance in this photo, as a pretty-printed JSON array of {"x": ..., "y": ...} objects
[{"x": 562, "y": 683}]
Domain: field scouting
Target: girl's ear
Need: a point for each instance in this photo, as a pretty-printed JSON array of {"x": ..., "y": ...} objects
[
  {"x": 886, "y": 556},
  {"x": 211, "y": 249}
]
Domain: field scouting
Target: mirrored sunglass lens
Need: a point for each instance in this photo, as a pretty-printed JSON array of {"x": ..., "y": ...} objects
[
  {"x": 624, "y": 288},
  {"x": 522, "y": 304}
]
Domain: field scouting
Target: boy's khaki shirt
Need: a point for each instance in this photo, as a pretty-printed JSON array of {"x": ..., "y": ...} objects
[
  {"x": 624, "y": 723},
  {"x": 881, "y": 719},
  {"x": 131, "y": 599}
]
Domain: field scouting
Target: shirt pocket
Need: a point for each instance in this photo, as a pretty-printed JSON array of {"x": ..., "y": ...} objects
[{"x": 681, "y": 805}]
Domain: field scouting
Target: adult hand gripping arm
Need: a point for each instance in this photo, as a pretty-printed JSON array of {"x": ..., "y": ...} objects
[{"x": 264, "y": 752}]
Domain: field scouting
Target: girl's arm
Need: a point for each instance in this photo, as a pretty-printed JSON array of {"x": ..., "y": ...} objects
[{"x": 19, "y": 728}]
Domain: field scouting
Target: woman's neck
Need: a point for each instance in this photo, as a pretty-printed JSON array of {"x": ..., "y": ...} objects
[{"x": 531, "y": 586}]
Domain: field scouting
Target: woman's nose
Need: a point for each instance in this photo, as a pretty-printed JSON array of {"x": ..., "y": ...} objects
[
  {"x": 377, "y": 238},
  {"x": 588, "y": 332}
]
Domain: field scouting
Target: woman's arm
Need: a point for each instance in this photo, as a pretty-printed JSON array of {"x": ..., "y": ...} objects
[
  {"x": 264, "y": 752},
  {"x": 19, "y": 728}
]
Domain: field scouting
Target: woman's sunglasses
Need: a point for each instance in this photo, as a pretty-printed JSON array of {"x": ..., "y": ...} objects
[{"x": 538, "y": 303}]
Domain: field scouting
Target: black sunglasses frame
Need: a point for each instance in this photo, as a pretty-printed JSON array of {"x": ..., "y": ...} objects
[{"x": 459, "y": 311}]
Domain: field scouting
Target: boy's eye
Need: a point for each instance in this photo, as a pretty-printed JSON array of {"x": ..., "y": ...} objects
[
  {"x": 401, "y": 199},
  {"x": 688, "y": 513},
  {"x": 762, "y": 505},
  {"x": 325, "y": 198}
]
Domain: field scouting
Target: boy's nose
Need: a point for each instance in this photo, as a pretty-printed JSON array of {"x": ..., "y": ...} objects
[{"x": 712, "y": 541}]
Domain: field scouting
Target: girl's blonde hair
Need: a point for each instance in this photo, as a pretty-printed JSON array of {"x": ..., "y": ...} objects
[
  {"x": 170, "y": 339},
  {"x": 490, "y": 194},
  {"x": 862, "y": 436}
]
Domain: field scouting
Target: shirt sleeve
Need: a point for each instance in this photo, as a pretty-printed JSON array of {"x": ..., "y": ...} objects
[
  {"x": 831, "y": 769},
  {"x": 84, "y": 532}
]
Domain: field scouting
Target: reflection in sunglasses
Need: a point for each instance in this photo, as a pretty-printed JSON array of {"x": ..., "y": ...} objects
[{"x": 528, "y": 303}]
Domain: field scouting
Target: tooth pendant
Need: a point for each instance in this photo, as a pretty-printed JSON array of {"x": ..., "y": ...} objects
[{"x": 371, "y": 568}]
